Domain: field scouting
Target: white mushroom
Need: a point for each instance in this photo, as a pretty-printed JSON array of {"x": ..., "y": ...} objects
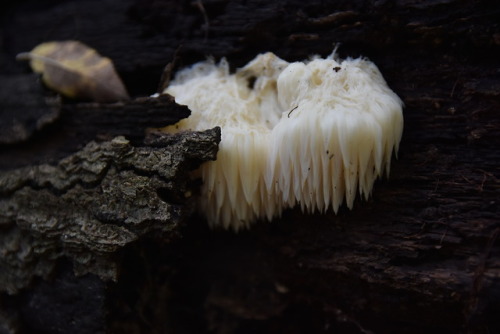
[{"x": 305, "y": 133}]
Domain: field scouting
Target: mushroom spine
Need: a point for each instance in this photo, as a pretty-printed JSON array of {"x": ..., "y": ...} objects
[{"x": 312, "y": 133}]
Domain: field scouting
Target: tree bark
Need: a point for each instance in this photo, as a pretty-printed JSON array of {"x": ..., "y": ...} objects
[{"x": 422, "y": 255}]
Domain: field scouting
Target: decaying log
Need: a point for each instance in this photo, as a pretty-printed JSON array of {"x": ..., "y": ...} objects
[{"x": 422, "y": 255}]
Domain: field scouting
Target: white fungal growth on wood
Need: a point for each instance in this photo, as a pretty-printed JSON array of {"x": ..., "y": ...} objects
[{"x": 310, "y": 133}]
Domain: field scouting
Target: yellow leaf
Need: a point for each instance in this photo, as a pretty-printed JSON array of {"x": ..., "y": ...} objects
[{"x": 77, "y": 71}]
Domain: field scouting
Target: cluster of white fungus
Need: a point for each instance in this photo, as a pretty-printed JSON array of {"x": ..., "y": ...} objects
[{"x": 304, "y": 133}]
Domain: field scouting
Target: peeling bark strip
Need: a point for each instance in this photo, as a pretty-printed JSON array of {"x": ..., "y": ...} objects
[
  {"x": 95, "y": 202},
  {"x": 44, "y": 129}
]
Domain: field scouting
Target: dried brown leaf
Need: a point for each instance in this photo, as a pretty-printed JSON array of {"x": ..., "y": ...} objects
[{"x": 77, "y": 71}]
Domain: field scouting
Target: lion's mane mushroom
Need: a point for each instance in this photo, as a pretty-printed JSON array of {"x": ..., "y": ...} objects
[{"x": 305, "y": 133}]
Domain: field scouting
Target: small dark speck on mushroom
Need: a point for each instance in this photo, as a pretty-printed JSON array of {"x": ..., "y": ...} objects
[{"x": 251, "y": 82}]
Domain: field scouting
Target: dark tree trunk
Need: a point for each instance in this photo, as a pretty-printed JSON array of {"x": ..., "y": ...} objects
[{"x": 79, "y": 256}]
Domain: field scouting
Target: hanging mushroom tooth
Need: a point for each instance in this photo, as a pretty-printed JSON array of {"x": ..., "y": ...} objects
[
  {"x": 337, "y": 173},
  {"x": 297, "y": 190},
  {"x": 288, "y": 139},
  {"x": 241, "y": 206},
  {"x": 304, "y": 149},
  {"x": 249, "y": 165},
  {"x": 398, "y": 123},
  {"x": 326, "y": 178},
  {"x": 313, "y": 173},
  {"x": 317, "y": 187},
  {"x": 269, "y": 211},
  {"x": 286, "y": 190},
  {"x": 245, "y": 224},
  {"x": 365, "y": 154},
  {"x": 387, "y": 157},
  {"x": 284, "y": 180},
  {"x": 342, "y": 138},
  {"x": 227, "y": 217},
  {"x": 279, "y": 214},
  {"x": 348, "y": 147},
  {"x": 255, "y": 204},
  {"x": 305, "y": 166},
  {"x": 303, "y": 203},
  {"x": 306, "y": 199},
  {"x": 232, "y": 175},
  {"x": 377, "y": 153},
  {"x": 370, "y": 180},
  {"x": 287, "y": 195},
  {"x": 264, "y": 204},
  {"x": 220, "y": 190},
  {"x": 327, "y": 155},
  {"x": 322, "y": 177},
  {"x": 208, "y": 174},
  {"x": 271, "y": 174},
  {"x": 362, "y": 170},
  {"x": 388, "y": 167},
  {"x": 387, "y": 141},
  {"x": 241, "y": 212},
  {"x": 287, "y": 170},
  {"x": 351, "y": 180},
  {"x": 369, "y": 173}
]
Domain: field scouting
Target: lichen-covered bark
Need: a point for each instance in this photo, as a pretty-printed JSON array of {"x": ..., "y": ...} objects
[{"x": 96, "y": 202}]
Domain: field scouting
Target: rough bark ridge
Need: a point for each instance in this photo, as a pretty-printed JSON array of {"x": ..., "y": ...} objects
[
  {"x": 422, "y": 255},
  {"x": 94, "y": 203}
]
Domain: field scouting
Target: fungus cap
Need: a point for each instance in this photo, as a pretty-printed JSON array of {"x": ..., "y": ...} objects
[{"x": 305, "y": 133}]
